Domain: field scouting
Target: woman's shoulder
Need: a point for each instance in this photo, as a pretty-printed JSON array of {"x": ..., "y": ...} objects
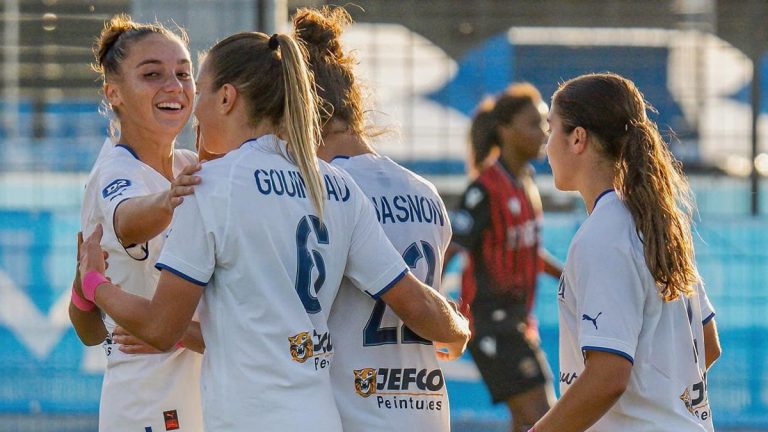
[
  {"x": 187, "y": 157},
  {"x": 609, "y": 227}
]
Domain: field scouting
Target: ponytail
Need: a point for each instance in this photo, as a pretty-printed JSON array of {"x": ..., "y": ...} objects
[
  {"x": 648, "y": 178},
  {"x": 300, "y": 117},
  {"x": 272, "y": 76},
  {"x": 654, "y": 189}
]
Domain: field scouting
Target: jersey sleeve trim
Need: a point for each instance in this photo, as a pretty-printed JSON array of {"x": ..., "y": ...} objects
[
  {"x": 161, "y": 266},
  {"x": 389, "y": 286},
  {"x": 610, "y": 351},
  {"x": 114, "y": 215},
  {"x": 708, "y": 319},
  {"x": 607, "y": 344}
]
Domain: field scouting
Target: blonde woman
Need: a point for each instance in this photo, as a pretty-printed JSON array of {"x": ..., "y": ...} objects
[{"x": 265, "y": 241}]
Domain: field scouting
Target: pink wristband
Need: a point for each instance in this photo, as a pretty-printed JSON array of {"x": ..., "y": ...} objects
[
  {"x": 81, "y": 303},
  {"x": 92, "y": 280},
  {"x": 179, "y": 345}
]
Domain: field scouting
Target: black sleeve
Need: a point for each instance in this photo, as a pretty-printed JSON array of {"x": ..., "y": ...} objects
[{"x": 472, "y": 216}]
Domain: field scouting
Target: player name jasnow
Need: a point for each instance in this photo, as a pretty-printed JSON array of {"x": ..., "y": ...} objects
[{"x": 407, "y": 208}]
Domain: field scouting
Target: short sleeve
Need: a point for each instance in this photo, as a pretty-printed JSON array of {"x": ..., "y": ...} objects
[
  {"x": 472, "y": 216},
  {"x": 373, "y": 264},
  {"x": 117, "y": 182},
  {"x": 610, "y": 299},
  {"x": 707, "y": 310},
  {"x": 189, "y": 250}
]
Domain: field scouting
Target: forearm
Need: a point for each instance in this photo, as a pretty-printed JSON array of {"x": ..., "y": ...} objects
[
  {"x": 438, "y": 321},
  {"x": 193, "y": 338},
  {"x": 593, "y": 393},
  {"x": 138, "y": 316},
  {"x": 551, "y": 266},
  {"x": 712, "y": 349},
  {"x": 88, "y": 325},
  {"x": 140, "y": 219}
]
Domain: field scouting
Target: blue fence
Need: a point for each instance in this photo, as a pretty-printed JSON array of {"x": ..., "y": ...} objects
[{"x": 44, "y": 368}]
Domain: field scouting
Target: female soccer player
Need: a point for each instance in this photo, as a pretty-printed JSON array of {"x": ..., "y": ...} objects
[
  {"x": 373, "y": 347},
  {"x": 265, "y": 240},
  {"x": 637, "y": 333},
  {"x": 498, "y": 224},
  {"x": 132, "y": 190}
]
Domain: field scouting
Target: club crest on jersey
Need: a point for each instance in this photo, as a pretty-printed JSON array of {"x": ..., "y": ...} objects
[
  {"x": 514, "y": 206},
  {"x": 365, "y": 381},
  {"x": 115, "y": 189},
  {"x": 462, "y": 222},
  {"x": 301, "y": 347},
  {"x": 686, "y": 398},
  {"x": 317, "y": 346},
  {"x": 473, "y": 197},
  {"x": 171, "y": 420}
]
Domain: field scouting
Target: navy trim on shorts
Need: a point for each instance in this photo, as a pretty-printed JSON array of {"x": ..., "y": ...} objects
[
  {"x": 708, "y": 319},
  {"x": 389, "y": 285},
  {"x": 130, "y": 150},
  {"x": 161, "y": 266},
  {"x": 609, "y": 350}
]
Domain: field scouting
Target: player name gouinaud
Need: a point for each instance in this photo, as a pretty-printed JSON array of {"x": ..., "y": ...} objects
[{"x": 291, "y": 184}]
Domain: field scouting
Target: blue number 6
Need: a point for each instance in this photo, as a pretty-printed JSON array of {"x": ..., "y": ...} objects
[{"x": 307, "y": 260}]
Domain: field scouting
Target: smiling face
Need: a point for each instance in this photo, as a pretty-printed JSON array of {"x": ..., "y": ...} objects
[{"x": 154, "y": 89}]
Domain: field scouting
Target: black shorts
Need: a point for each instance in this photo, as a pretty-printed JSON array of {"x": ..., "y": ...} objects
[{"x": 509, "y": 363}]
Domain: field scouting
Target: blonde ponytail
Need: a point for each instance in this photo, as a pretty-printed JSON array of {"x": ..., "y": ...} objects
[{"x": 300, "y": 117}]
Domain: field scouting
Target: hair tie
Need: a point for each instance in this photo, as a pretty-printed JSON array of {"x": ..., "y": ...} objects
[{"x": 273, "y": 42}]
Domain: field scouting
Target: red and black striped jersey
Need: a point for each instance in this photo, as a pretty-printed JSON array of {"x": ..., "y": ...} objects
[{"x": 499, "y": 225}]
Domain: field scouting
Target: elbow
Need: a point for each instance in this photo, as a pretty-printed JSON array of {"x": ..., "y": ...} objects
[
  {"x": 91, "y": 340},
  {"x": 163, "y": 342},
  {"x": 616, "y": 389},
  {"x": 163, "y": 338},
  {"x": 713, "y": 354}
]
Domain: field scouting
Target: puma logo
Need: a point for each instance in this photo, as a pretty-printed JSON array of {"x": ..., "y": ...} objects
[{"x": 585, "y": 317}]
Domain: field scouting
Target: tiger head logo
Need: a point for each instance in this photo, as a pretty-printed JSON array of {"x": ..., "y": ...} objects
[
  {"x": 301, "y": 347},
  {"x": 365, "y": 381}
]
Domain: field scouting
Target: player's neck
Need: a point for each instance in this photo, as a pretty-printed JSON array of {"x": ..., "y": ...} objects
[
  {"x": 599, "y": 181},
  {"x": 343, "y": 143},
  {"x": 513, "y": 163},
  {"x": 154, "y": 151}
]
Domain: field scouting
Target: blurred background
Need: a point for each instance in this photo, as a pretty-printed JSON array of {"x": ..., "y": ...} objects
[{"x": 427, "y": 63}]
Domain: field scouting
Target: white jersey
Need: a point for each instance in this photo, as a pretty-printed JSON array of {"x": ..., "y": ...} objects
[
  {"x": 385, "y": 377},
  {"x": 609, "y": 302},
  {"x": 271, "y": 270},
  {"x": 140, "y": 391}
]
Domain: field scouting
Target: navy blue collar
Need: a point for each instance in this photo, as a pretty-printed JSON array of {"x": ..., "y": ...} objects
[
  {"x": 129, "y": 150},
  {"x": 602, "y": 194},
  {"x": 343, "y": 157}
]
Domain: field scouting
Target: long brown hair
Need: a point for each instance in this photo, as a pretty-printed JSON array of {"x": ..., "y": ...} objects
[
  {"x": 319, "y": 31},
  {"x": 272, "y": 76},
  {"x": 648, "y": 178}
]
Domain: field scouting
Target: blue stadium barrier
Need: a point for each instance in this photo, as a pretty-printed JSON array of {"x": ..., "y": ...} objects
[
  {"x": 73, "y": 119},
  {"x": 45, "y": 369}
]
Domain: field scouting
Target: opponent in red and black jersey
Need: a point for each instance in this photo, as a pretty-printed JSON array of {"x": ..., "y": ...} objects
[{"x": 498, "y": 224}]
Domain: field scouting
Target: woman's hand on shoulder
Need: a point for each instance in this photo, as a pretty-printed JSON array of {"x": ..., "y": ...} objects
[{"x": 183, "y": 185}]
